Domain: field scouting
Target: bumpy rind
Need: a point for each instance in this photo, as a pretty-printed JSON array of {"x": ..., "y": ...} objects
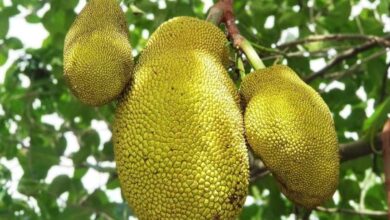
[
  {"x": 178, "y": 137},
  {"x": 291, "y": 129},
  {"x": 191, "y": 34},
  {"x": 97, "y": 54},
  {"x": 194, "y": 35}
]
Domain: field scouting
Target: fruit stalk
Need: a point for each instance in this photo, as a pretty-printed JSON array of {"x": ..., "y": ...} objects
[
  {"x": 251, "y": 54},
  {"x": 223, "y": 12}
]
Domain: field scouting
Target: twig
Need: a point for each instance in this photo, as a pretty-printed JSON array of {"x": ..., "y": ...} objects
[
  {"x": 343, "y": 56},
  {"x": 386, "y": 160},
  {"x": 314, "y": 54},
  {"x": 347, "y": 152},
  {"x": 266, "y": 49},
  {"x": 384, "y": 84},
  {"x": 352, "y": 212},
  {"x": 337, "y": 37},
  {"x": 99, "y": 168},
  {"x": 307, "y": 53},
  {"x": 215, "y": 14},
  {"x": 354, "y": 68},
  {"x": 258, "y": 170}
]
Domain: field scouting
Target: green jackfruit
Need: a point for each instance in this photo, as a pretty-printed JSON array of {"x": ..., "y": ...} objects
[
  {"x": 97, "y": 54},
  {"x": 178, "y": 133},
  {"x": 291, "y": 129}
]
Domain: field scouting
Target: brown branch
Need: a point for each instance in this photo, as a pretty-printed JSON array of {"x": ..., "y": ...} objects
[
  {"x": 230, "y": 22},
  {"x": 337, "y": 37},
  {"x": 352, "y": 212},
  {"x": 343, "y": 56},
  {"x": 215, "y": 14},
  {"x": 358, "y": 149},
  {"x": 223, "y": 12},
  {"x": 384, "y": 84},
  {"x": 386, "y": 160},
  {"x": 348, "y": 152}
]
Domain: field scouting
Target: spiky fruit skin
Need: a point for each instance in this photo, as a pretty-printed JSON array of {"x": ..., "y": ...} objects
[
  {"x": 97, "y": 54},
  {"x": 178, "y": 138},
  {"x": 291, "y": 129},
  {"x": 204, "y": 37}
]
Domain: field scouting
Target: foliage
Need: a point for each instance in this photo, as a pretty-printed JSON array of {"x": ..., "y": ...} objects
[{"x": 39, "y": 146}]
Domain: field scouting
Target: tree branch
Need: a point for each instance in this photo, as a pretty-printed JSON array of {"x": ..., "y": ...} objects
[
  {"x": 348, "y": 152},
  {"x": 386, "y": 160},
  {"x": 343, "y": 56},
  {"x": 356, "y": 67},
  {"x": 337, "y": 37},
  {"x": 384, "y": 84},
  {"x": 224, "y": 8},
  {"x": 352, "y": 212},
  {"x": 358, "y": 149},
  {"x": 99, "y": 168}
]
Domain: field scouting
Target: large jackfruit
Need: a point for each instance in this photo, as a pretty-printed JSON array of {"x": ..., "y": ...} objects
[
  {"x": 204, "y": 37},
  {"x": 97, "y": 54},
  {"x": 178, "y": 133},
  {"x": 291, "y": 129}
]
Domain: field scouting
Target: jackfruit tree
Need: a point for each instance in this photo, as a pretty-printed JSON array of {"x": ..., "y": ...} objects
[{"x": 126, "y": 109}]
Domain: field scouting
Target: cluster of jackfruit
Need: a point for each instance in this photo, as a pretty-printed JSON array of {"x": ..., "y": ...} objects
[{"x": 178, "y": 133}]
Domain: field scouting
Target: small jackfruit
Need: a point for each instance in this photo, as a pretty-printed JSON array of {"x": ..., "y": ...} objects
[
  {"x": 97, "y": 54},
  {"x": 178, "y": 133},
  {"x": 291, "y": 129}
]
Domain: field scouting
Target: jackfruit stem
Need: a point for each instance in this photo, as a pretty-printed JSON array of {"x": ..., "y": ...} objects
[
  {"x": 251, "y": 54},
  {"x": 215, "y": 15},
  {"x": 240, "y": 67},
  {"x": 222, "y": 11}
]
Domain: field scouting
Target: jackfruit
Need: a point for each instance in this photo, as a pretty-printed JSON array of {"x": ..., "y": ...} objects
[
  {"x": 203, "y": 37},
  {"x": 97, "y": 54},
  {"x": 178, "y": 133},
  {"x": 291, "y": 129}
]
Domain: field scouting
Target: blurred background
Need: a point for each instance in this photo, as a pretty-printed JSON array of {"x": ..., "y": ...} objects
[{"x": 56, "y": 155}]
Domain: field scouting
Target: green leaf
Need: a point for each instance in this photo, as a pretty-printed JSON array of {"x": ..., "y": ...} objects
[
  {"x": 376, "y": 198},
  {"x": 113, "y": 183},
  {"x": 3, "y": 55},
  {"x": 276, "y": 205},
  {"x": 90, "y": 139},
  {"x": 5, "y": 14},
  {"x": 384, "y": 6},
  {"x": 42, "y": 157},
  {"x": 4, "y": 25},
  {"x": 59, "y": 185},
  {"x": 33, "y": 18},
  {"x": 14, "y": 43},
  {"x": 252, "y": 212},
  {"x": 356, "y": 167},
  {"x": 290, "y": 19},
  {"x": 375, "y": 121},
  {"x": 28, "y": 186},
  {"x": 349, "y": 190},
  {"x": 75, "y": 212}
]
